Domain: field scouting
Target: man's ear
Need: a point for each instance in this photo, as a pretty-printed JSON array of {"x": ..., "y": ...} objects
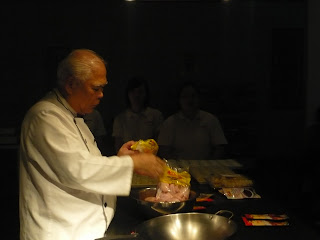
[{"x": 70, "y": 85}]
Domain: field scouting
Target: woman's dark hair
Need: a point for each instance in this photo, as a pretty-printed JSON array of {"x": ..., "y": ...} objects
[{"x": 136, "y": 82}]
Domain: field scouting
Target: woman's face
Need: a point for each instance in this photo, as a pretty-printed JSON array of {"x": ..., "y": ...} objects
[{"x": 137, "y": 96}]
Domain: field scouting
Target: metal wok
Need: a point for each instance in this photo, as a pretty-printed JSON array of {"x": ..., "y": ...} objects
[
  {"x": 191, "y": 226},
  {"x": 184, "y": 226}
]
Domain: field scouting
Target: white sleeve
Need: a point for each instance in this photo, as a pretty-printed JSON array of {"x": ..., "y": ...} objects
[{"x": 54, "y": 148}]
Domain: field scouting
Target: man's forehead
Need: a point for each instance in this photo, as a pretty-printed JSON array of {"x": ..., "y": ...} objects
[{"x": 97, "y": 81}]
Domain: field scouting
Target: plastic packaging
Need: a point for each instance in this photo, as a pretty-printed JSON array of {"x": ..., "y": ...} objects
[
  {"x": 239, "y": 193},
  {"x": 230, "y": 181},
  {"x": 267, "y": 219},
  {"x": 173, "y": 186},
  {"x": 147, "y": 146}
]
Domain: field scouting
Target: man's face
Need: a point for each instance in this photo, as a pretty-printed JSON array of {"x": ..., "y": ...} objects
[
  {"x": 84, "y": 97},
  {"x": 189, "y": 99}
]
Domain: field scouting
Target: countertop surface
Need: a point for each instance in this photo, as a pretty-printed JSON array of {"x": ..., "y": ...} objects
[{"x": 128, "y": 215}]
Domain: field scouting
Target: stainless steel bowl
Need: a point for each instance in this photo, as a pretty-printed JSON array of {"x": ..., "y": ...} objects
[{"x": 156, "y": 209}]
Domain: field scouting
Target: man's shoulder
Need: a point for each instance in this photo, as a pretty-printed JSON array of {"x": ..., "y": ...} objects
[
  {"x": 45, "y": 106},
  {"x": 206, "y": 115},
  {"x": 42, "y": 105},
  {"x": 153, "y": 111},
  {"x": 175, "y": 117}
]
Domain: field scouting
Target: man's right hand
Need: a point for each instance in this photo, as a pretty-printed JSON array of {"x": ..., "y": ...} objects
[{"x": 148, "y": 164}]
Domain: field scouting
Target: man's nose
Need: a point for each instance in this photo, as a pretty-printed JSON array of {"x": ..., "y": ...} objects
[{"x": 100, "y": 96}]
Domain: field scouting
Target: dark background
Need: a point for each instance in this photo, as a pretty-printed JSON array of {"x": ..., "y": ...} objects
[
  {"x": 255, "y": 62},
  {"x": 249, "y": 58}
]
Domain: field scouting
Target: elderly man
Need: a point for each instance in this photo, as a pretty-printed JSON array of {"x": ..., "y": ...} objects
[{"x": 67, "y": 188}]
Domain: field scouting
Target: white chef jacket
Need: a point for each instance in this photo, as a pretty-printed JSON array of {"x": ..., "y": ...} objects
[{"x": 67, "y": 189}]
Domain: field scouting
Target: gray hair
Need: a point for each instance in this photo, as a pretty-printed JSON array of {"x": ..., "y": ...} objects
[{"x": 80, "y": 64}]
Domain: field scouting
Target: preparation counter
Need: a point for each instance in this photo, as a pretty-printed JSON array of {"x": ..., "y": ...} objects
[{"x": 128, "y": 216}]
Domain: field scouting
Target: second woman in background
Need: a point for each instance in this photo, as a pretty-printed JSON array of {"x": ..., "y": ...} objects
[
  {"x": 191, "y": 133},
  {"x": 138, "y": 120}
]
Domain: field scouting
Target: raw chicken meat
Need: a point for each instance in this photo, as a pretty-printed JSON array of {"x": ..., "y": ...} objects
[{"x": 172, "y": 193}]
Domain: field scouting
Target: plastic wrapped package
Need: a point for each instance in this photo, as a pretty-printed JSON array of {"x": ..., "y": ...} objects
[
  {"x": 229, "y": 181},
  {"x": 147, "y": 146},
  {"x": 173, "y": 186}
]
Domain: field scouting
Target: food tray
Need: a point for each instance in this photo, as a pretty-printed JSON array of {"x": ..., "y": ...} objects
[
  {"x": 229, "y": 181},
  {"x": 201, "y": 170}
]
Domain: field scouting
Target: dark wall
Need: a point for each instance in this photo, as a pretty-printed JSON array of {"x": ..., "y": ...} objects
[
  {"x": 247, "y": 57},
  {"x": 233, "y": 50}
]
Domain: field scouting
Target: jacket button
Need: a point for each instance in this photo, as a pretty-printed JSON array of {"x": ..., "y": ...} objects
[{"x": 105, "y": 204}]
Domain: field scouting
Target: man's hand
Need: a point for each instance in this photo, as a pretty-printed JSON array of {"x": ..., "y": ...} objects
[
  {"x": 148, "y": 164},
  {"x": 126, "y": 149}
]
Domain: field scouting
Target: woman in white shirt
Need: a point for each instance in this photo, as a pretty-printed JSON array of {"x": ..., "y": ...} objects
[{"x": 138, "y": 120}]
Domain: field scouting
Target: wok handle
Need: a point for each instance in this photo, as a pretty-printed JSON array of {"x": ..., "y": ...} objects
[{"x": 222, "y": 213}]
